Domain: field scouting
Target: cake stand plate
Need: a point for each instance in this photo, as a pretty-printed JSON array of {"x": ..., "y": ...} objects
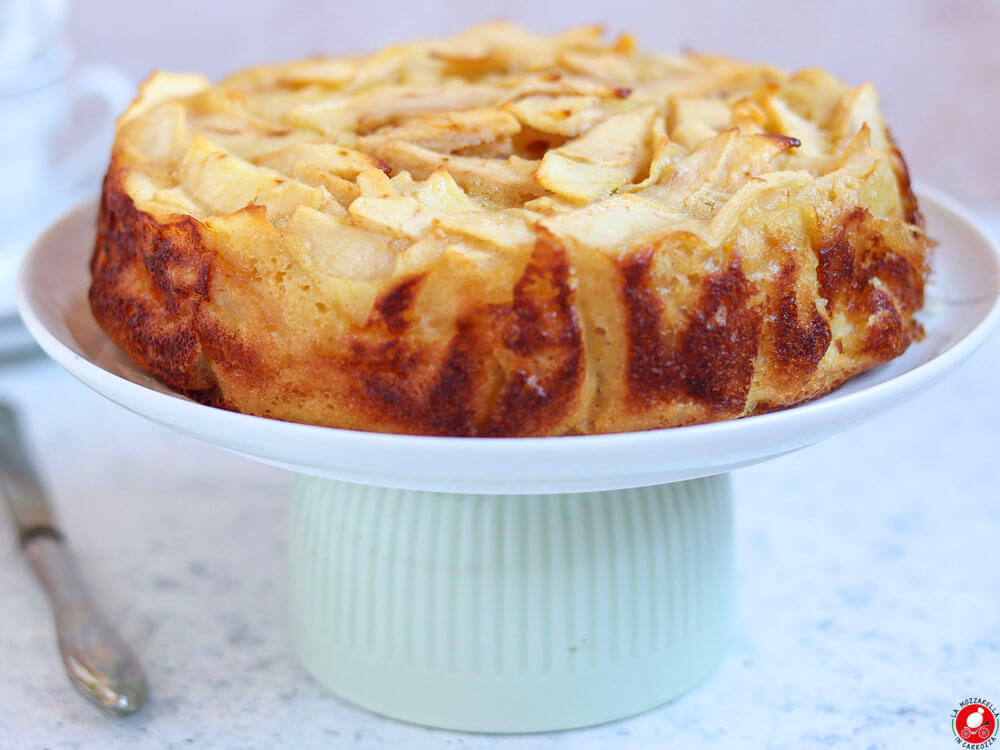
[{"x": 513, "y": 584}]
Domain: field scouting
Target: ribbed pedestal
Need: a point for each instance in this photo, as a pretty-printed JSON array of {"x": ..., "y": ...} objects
[{"x": 510, "y": 613}]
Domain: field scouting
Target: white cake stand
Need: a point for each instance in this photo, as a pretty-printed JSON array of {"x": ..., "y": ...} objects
[{"x": 511, "y": 585}]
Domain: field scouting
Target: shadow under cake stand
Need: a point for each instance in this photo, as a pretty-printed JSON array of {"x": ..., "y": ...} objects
[{"x": 513, "y": 584}]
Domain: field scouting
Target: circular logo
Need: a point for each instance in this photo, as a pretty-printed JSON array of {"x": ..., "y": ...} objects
[{"x": 975, "y": 723}]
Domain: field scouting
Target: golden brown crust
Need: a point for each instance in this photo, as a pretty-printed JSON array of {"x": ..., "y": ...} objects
[
  {"x": 515, "y": 369},
  {"x": 548, "y": 333},
  {"x": 148, "y": 281}
]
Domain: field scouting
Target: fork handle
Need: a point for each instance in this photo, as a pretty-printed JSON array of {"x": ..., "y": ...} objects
[{"x": 99, "y": 663}]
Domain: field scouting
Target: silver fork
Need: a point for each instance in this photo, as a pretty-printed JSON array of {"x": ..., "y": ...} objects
[{"x": 99, "y": 663}]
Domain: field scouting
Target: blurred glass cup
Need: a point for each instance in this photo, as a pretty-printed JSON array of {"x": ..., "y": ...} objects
[{"x": 40, "y": 92}]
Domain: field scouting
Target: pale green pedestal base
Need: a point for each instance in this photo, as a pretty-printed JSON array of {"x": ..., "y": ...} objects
[{"x": 507, "y": 613}]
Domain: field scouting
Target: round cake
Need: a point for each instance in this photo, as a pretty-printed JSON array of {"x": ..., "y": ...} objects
[{"x": 506, "y": 234}]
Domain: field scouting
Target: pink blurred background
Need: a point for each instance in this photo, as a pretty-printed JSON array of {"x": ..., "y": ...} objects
[{"x": 936, "y": 63}]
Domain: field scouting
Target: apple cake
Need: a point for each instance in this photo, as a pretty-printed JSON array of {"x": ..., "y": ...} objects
[{"x": 507, "y": 234}]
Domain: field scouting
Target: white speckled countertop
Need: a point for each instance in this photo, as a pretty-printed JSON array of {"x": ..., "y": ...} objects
[{"x": 868, "y": 600}]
